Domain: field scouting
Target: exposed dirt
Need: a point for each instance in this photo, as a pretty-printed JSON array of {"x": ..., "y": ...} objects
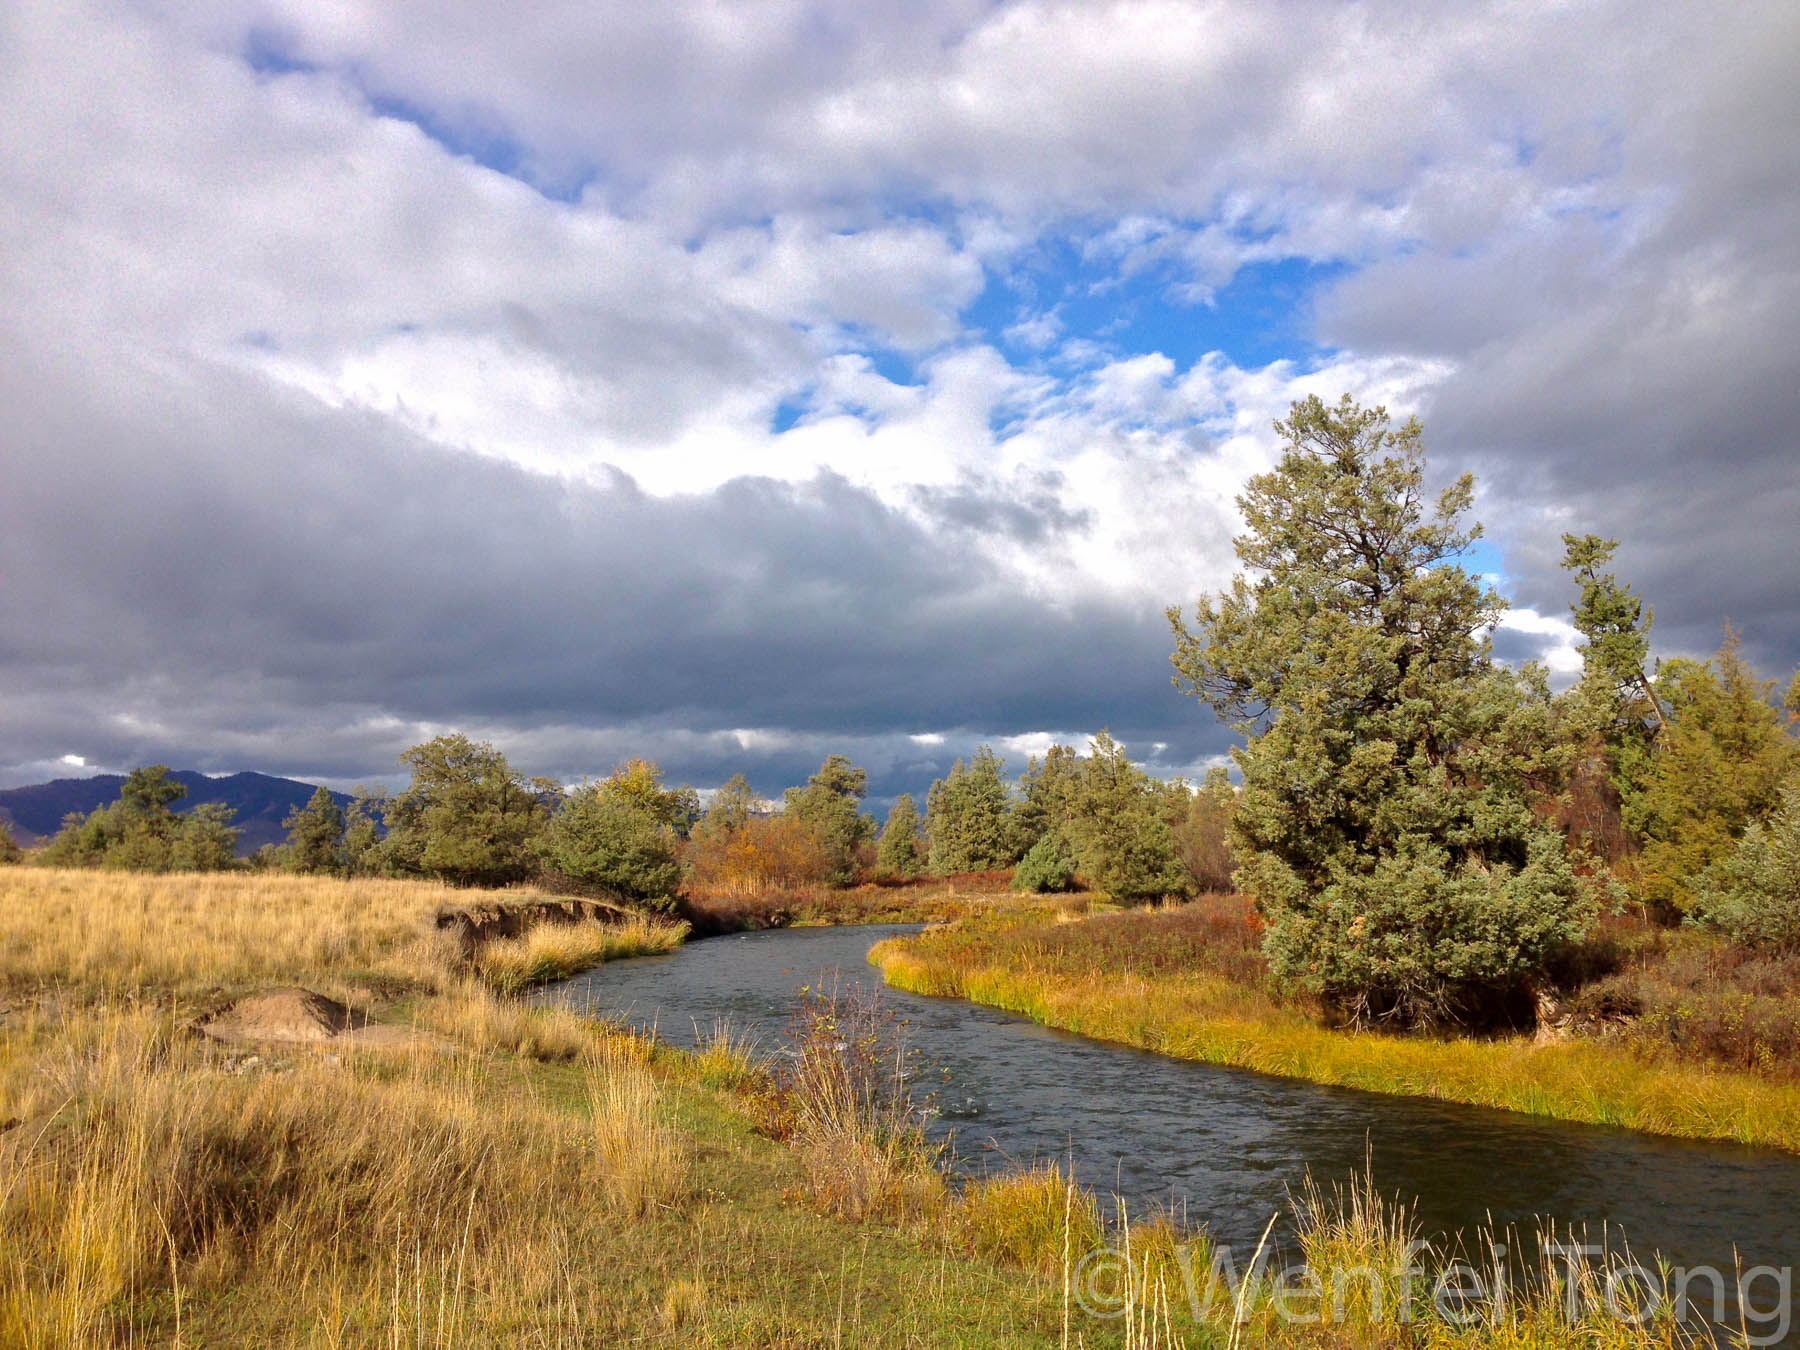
[{"x": 297, "y": 1015}]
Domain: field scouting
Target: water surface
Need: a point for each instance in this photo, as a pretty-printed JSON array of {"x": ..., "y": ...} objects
[{"x": 1224, "y": 1145}]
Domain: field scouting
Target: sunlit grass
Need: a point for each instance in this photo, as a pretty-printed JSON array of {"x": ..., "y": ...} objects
[
  {"x": 1076, "y": 977},
  {"x": 549, "y": 952}
]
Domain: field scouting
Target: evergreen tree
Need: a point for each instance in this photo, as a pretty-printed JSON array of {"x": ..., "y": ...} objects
[
  {"x": 614, "y": 841},
  {"x": 730, "y": 809},
  {"x": 1752, "y": 894},
  {"x": 830, "y": 805},
  {"x": 362, "y": 846},
  {"x": 1718, "y": 768},
  {"x": 10, "y": 852},
  {"x": 466, "y": 818},
  {"x": 966, "y": 817},
  {"x": 1049, "y": 866},
  {"x": 315, "y": 834},
  {"x": 1047, "y": 788},
  {"x": 139, "y": 833},
  {"x": 1118, "y": 827},
  {"x": 899, "y": 853},
  {"x": 1386, "y": 810}
]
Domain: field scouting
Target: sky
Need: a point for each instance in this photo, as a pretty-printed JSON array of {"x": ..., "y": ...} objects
[{"x": 736, "y": 384}]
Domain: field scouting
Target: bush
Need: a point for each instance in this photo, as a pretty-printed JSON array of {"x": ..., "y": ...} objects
[
  {"x": 764, "y": 854},
  {"x": 1048, "y": 868},
  {"x": 10, "y": 852},
  {"x": 600, "y": 839},
  {"x": 1753, "y": 894}
]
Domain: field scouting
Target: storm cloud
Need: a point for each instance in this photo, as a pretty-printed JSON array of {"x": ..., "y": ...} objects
[{"x": 726, "y": 385}]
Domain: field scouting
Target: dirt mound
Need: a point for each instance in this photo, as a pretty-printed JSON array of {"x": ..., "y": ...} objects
[{"x": 288, "y": 1015}]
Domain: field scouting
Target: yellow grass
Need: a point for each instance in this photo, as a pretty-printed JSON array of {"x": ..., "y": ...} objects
[
  {"x": 553, "y": 951},
  {"x": 207, "y": 935},
  {"x": 1201, "y": 1016}
]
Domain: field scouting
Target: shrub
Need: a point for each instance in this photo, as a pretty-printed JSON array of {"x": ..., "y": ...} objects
[
  {"x": 600, "y": 839},
  {"x": 10, "y": 852},
  {"x": 766, "y": 853},
  {"x": 846, "y": 1103},
  {"x": 1049, "y": 867},
  {"x": 1753, "y": 894}
]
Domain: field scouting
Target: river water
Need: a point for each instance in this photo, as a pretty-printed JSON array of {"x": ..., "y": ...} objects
[{"x": 1223, "y": 1146}]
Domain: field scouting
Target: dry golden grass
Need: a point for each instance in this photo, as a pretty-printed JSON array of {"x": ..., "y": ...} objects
[
  {"x": 208, "y": 935},
  {"x": 554, "y": 951},
  {"x": 642, "y": 1154},
  {"x": 1070, "y": 977}
]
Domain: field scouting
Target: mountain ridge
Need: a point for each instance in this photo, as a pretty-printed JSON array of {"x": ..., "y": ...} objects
[{"x": 262, "y": 801}]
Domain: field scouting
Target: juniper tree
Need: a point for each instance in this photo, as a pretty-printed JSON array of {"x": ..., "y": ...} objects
[
  {"x": 1047, "y": 787},
  {"x": 831, "y": 806},
  {"x": 899, "y": 854},
  {"x": 966, "y": 817},
  {"x": 1117, "y": 826},
  {"x": 613, "y": 841},
  {"x": 1385, "y": 816},
  {"x": 315, "y": 834},
  {"x": 1717, "y": 770},
  {"x": 466, "y": 817}
]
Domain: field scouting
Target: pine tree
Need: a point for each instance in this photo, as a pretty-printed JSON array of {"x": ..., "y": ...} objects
[{"x": 1386, "y": 812}]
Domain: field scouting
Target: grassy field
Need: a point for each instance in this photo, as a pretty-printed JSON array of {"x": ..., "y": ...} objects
[
  {"x": 505, "y": 1175},
  {"x": 1188, "y": 981}
]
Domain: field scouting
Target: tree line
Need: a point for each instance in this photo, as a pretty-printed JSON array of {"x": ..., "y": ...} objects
[
  {"x": 1425, "y": 831},
  {"x": 468, "y": 818}
]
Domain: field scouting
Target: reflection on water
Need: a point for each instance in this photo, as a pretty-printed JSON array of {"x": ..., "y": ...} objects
[{"x": 1223, "y": 1145}]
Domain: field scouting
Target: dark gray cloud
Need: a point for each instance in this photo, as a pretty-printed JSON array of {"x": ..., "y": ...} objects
[
  {"x": 318, "y": 585},
  {"x": 318, "y": 434}
]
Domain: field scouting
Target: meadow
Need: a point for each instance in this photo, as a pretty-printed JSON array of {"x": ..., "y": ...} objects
[
  {"x": 496, "y": 1173},
  {"x": 1189, "y": 981}
]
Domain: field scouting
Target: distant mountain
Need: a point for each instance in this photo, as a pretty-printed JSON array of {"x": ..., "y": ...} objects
[{"x": 261, "y": 802}]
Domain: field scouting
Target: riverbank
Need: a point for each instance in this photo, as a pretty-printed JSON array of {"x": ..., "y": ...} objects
[
  {"x": 488, "y": 1173},
  {"x": 1187, "y": 982},
  {"x": 912, "y": 900}
]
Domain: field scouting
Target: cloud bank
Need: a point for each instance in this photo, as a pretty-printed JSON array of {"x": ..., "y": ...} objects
[{"x": 739, "y": 384}]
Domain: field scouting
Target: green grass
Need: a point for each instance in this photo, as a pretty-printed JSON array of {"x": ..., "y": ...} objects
[{"x": 1184, "y": 982}]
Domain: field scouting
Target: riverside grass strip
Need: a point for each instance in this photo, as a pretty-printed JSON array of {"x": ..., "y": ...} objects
[{"x": 1213, "y": 1019}]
